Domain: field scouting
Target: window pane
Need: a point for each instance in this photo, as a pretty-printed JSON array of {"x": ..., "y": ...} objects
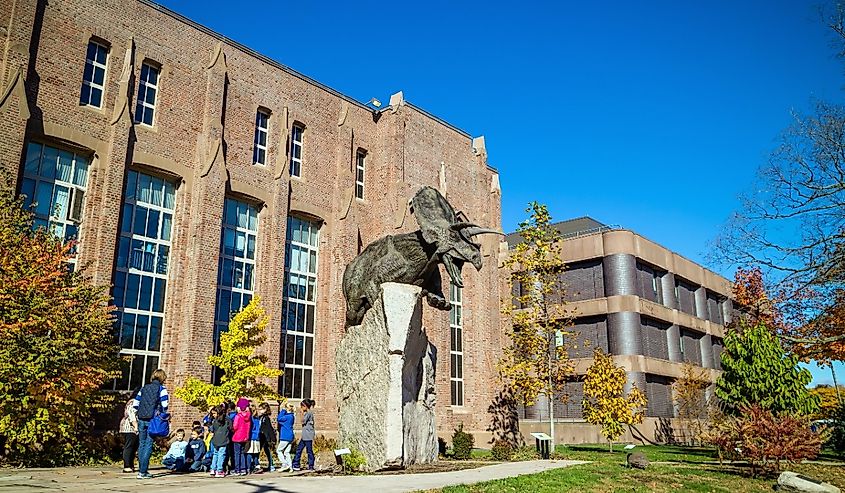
[
  {"x": 133, "y": 283},
  {"x": 309, "y": 351},
  {"x": 157, "y": 190},
  {"x": 28, "y": 191},
  {"x": 158, "y": 297},
  {"x": 155, "y": 333},
  {"x": 43, "y": 198},
  {"x": 152, "y": 224},
  {"x": 163, "y": 257},
  {"x": 48, "y": 162},
  {"x": 289, "y": 348},
  {"x": 64, "y": 166},
  {"x": 140, "y": 226},
  {"x": 306, "y": 384},
  {"x": 99, "y": 75},
  {"x": 166, "y": 226},
  {"x": 33, "y": 158},
  {"x": 80, "y": 176},
  {"x": 136, "y": 374},
  {"x": 169, "y": 195},
  {"x": 59, "y": 207},
  {"x": 146, "y": 293},
  {"x": 127, "y": 331},
  {"x": 141, "y": 327}
]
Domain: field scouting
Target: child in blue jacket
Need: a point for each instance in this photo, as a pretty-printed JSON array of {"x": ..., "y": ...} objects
[{"x": 285, "y": 419}]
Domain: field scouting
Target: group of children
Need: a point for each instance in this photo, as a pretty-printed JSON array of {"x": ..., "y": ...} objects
[{"x": 231, "y": 437}]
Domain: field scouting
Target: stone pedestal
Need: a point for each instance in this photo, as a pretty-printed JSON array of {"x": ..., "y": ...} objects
[{"x": 385, "y": 377}]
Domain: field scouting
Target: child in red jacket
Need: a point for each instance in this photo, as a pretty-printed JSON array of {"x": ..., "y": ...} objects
[{"x": 240, "y": 435}]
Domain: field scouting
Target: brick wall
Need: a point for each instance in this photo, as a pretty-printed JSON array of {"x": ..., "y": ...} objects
[{"x": 202, "y": 139}]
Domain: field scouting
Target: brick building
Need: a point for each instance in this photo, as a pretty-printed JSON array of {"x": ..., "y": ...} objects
[
  {"x": 197, "y": 174},
  {"x": 650, "y": 308}
]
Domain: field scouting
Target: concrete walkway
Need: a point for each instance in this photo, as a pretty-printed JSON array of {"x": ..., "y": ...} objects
[{"x": 85, "y": 480}]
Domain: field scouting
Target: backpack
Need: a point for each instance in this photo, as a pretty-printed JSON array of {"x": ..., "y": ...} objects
[
  {"x": 149, "y": 400},
  {"x": 159, "y": 425}
]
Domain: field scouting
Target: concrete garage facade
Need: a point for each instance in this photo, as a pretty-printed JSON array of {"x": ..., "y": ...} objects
[{"x": 197, "y": 174}]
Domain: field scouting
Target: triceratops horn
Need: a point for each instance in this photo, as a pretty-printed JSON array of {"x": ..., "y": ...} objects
[
  {"x": 475, "y": 230},
  {"x": 462, "y": 225}
]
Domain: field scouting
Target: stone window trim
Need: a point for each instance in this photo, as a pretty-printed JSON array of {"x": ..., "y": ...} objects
[
  {"x": 261, "y": 138},
  {"x": 360, "y": 173},
  {"x": 148, "y": 95},
  {"x": 296, "y": 147},
  {"x": 93, "y": 93}
]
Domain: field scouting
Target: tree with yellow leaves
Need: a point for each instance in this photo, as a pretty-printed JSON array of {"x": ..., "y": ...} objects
[
  {"x": 689, "y": 396},
  {"x": 244, "y": 371},
  {"x": 536, "y": 362},
  {"x": 605, "y": 403}
]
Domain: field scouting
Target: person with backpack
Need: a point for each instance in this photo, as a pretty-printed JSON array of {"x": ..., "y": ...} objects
[{"x": 151, "y": 398}]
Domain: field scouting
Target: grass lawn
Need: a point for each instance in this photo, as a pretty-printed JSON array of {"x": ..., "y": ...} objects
[{"x": 672, "y": 469}]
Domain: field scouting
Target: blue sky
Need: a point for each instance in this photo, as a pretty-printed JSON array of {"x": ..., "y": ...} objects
[{"x": 650, "y": 115}]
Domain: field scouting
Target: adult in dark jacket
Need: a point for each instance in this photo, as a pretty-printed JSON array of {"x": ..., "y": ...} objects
[
  {"x": 150, "y": 398},
  {"x": 285, "y": 419}
]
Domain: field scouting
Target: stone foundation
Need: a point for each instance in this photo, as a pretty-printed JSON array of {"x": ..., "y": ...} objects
[{"x": 385, "y": 377}]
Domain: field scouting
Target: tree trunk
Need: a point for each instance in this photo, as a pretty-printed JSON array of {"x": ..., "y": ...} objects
[{"x": 835, "y": 385}]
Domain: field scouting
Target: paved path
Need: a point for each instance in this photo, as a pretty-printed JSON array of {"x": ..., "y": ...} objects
[{"x": 85, "y": 480}]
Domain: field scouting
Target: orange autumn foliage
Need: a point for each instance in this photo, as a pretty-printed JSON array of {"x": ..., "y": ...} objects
[{"x": 56, "y": 345}]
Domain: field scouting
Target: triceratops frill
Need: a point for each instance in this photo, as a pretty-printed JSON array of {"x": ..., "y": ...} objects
[{"x": 413, "y": 258}]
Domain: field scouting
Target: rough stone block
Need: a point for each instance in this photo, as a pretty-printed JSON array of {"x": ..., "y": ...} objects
[
  {"x": 637, "y": 460},
  {"x": 792, "y": 481},
  {"x": 385, "y": 376}
]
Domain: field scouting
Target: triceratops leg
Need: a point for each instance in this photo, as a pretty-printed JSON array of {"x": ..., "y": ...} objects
[
  {"x": 355, "y": 310},
  {"x": 433, "y": 290}
]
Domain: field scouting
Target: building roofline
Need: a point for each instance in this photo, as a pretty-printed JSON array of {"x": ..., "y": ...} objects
[
  {"x": 439, "y": 120},
  {"x": 249, "y": 51},
  {"x": 274, "y": 63},
  {"x": 673, "y": 252}
]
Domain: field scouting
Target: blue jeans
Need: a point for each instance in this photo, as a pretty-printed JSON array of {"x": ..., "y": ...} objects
[
  {"x": 240, "y": 457},
  {"x": 174, "y": 463},
  {"x": 297, "y": 459},
  {"x": 218, "y": 460},
  {"x": 145, "y": 446}
]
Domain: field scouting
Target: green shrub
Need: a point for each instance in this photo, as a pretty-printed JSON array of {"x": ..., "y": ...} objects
[
  {"x": 353, "y": 461},
  {"x": 525, "y": 453},
  {"x": 501, "y": 451},
  {"x": 462, "y": 443}
]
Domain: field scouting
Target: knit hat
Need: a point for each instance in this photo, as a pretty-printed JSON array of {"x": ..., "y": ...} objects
[{"x": 243, "y": 403}]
